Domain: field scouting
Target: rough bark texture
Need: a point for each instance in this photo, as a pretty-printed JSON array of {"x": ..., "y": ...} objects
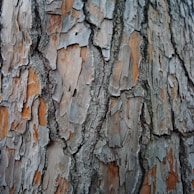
[{"x": 97, "y": 96}]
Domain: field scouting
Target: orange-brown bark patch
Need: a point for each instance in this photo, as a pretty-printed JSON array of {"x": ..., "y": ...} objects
[
  {"x": 62, "y": 186},
  {"x": 11, "y": 191},
  {"x": 146, "y": 188},
  {"x": 54, "y": 23},
  {"x": 171, "y": 181},
  {"x": 33, "y": 84},
  {"x": 96, "y": 10},
  {"x": 42, "y": 112},
  {"x": 193, "y": 183},
  {"x": 117, "y": 70},
  {"x": 35, "y": 134},
  {"x": 10, "y": 151},
  {"x": 33, "y": 88},
  {"x": 134, "y": 44},
  {"x": 37, "y": 177},
  {"x": 114, "y": 127},
  {"x": 20, "y": 48},
  {"x": 162, "y": 93},
  {"x": 112, "y": 177},
  {"x": 66, "y": 6},
  {"x": 83, "y": 53},
  {"x": 63, "y": 54},
  {"x": 70, "y": 135},
  {"x": 4, "y": 117},
  {"x": 25, "y": 111},
  {"x": 153, "y": 173},
  {"x": 75, "y": 14},
  {"x": 172, "y": 92},
  {"x": 16, "y": 126},
  {"x": 16, "y": 80},
  {"x": 172, "y": 178},
  {"x": 113, "y": 103},
  {"x": 170, "y": 159},
  {"x": 156, "y": 14},
  {"x": 54, "y": 38}
]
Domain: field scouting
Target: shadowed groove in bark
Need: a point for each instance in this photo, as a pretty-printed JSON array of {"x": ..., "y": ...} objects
[
  {"x": 143, "y": 148},
  {"x": 37, "y": 33},
  {"x": 184, "y": 167},
  {"x": 145, "y": 60},
  {"x": 39, "y": 42},
  {"x": 170, "y": 4},
  {"x": 144, "y": 66},
  {"x": 97, "y": 112},
  {"x": 183, "y": 155}
]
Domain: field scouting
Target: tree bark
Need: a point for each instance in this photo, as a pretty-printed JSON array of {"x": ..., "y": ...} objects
[{"x": 97, "y": 96}]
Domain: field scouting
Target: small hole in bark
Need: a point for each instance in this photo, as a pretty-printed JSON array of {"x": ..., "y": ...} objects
[
  {"x": 74, "y": 92},
  {"x": 76, "y": 33}
]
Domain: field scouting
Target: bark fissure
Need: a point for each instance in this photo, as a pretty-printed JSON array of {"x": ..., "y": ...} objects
[
  {"x": 175, "y": 45},
  {"x": 100, "y": 99},
  {"x": 184, "y": 167}
]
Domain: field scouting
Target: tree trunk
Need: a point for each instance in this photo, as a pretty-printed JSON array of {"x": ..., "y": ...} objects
[{"x": 97, "y": 96}]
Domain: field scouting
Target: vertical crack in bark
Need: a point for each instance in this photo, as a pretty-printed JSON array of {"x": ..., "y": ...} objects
[
  {"x": 39, "y": 42},
  {"x": 37, "y": 32},
  {"x": 143, "y": 147},
  {"x": 144, "y": 68},
  {"x": 35, "y": 36},
  {"x": 118, "y": 25},
  {"x": 183, "y": 155},
  {"x": 174, "y": 44},
  {"x": 99, "y": 102},
  {"x": 184, "y": 167}
]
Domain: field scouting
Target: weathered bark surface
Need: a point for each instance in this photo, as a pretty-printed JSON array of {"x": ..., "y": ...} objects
[{"x": 97, "y": 96}]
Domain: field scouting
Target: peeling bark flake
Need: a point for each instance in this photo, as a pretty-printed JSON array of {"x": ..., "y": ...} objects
[
  {"x": 42, "y": 109},
  {"x": 4, "y": 119},
  {"x": 134, "y": 44},
  {"x": 171, "y": 181},
  {"x": 146, "y": 187},
  {"x": 37, "y": 177},
  {"x": 62, "y": 186},
  {"x": 33, "y": 84},
  {"x": 66, "y": 6},
  {"x": 172, "y": 178}
]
